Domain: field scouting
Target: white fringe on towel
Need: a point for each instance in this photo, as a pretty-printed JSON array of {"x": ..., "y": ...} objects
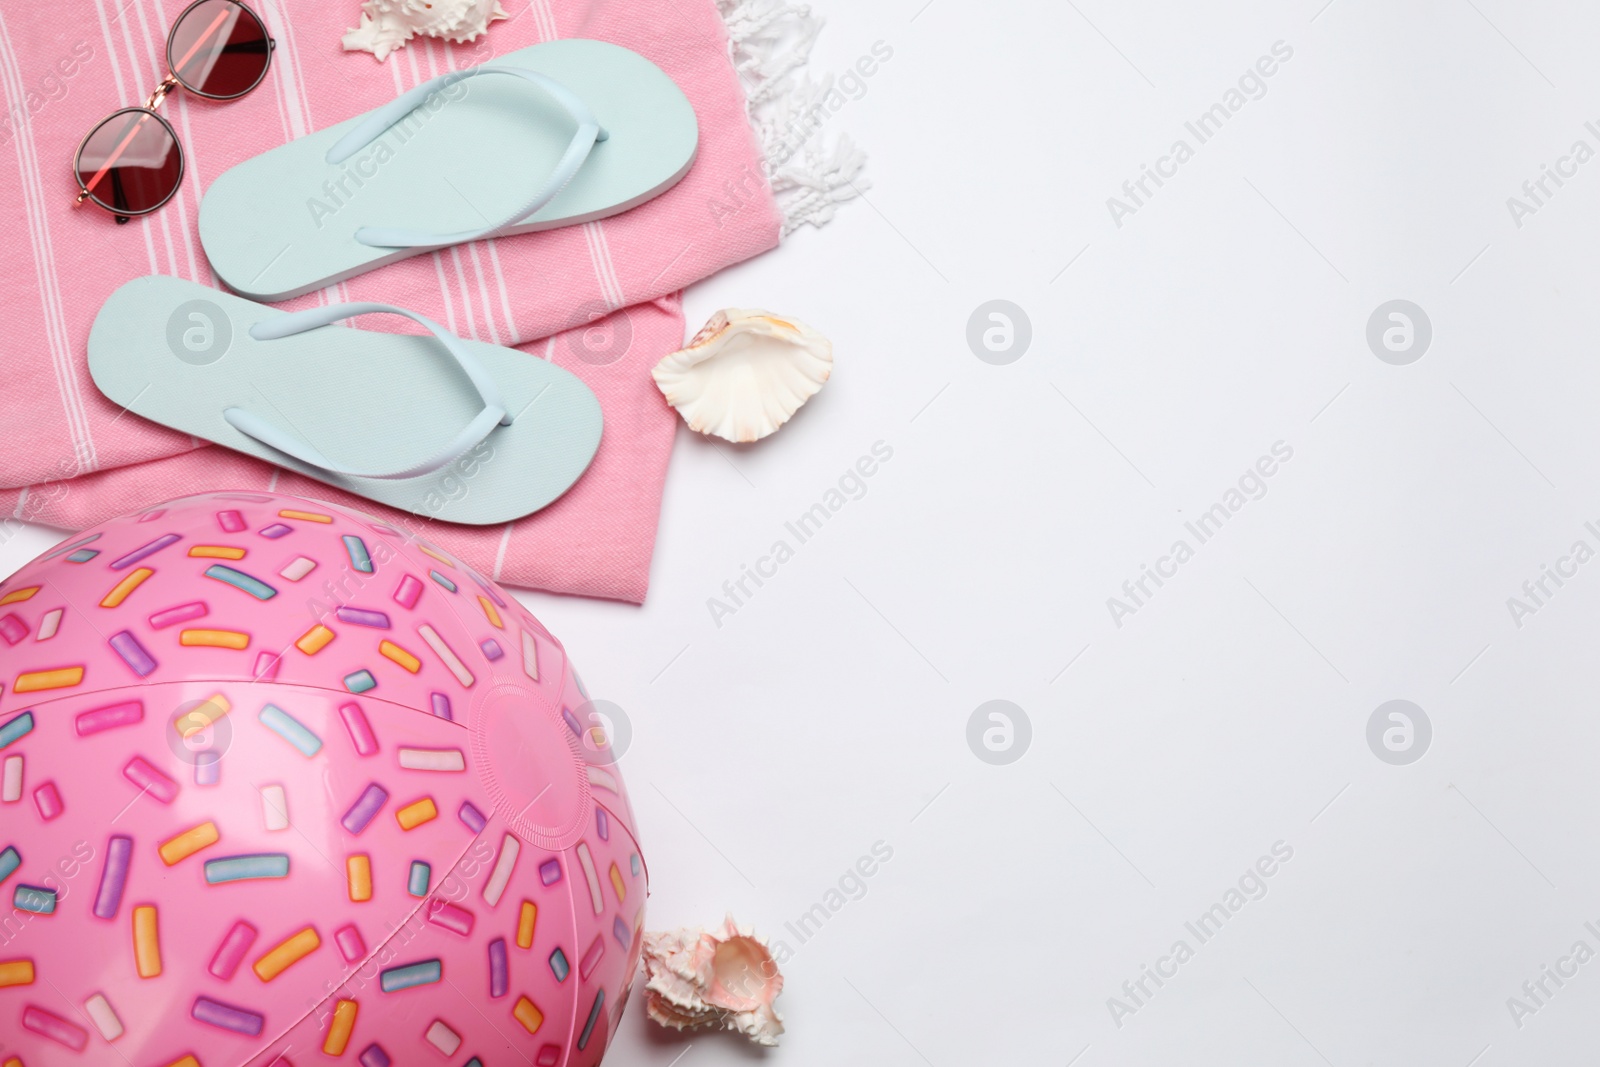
[{"x": 770, "y": 42}]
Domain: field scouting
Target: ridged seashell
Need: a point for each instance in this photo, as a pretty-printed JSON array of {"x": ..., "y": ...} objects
[
  {"x": 724, "y": 979},
  {"x": 745, "y": 373},
  {"x": 387, "y": 25}
]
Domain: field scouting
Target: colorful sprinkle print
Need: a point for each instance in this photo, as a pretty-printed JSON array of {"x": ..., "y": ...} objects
[{"x": 307, "y": 798}]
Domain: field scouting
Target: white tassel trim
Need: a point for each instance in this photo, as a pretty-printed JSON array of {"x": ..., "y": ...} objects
[{"x": 770, "y": 43}]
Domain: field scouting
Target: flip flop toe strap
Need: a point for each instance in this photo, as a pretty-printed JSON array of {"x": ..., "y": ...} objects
[
  {"x": 584, "y": 138},
  {"x": 493, "y": 414}
]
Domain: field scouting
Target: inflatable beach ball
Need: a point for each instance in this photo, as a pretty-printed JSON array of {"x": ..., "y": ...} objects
[{"x": 283, "y": 784}]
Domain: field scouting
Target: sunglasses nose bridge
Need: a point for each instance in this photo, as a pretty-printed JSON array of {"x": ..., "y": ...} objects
[{"x": 169, "y": 83}]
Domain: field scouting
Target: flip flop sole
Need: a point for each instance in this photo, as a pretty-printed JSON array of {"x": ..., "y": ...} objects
[
  {"x": 179, "y": 354},
  {"x": 283, "y": 223}
]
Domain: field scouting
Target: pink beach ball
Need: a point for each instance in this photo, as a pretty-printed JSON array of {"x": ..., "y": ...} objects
[{"x": 283, "y": 784}]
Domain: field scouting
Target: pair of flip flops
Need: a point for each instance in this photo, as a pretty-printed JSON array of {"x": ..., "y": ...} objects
[{"x": 562, "y": 133}]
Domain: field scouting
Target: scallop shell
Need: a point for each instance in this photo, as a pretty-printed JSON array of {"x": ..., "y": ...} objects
[
  {"x": 725, "y": 979},
  {"x": 386, "y": 25},
  {"x": 745, "y": 373}
]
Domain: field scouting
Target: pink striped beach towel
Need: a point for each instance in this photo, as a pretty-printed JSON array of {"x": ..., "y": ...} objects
[{"x": 598, "y": 299}]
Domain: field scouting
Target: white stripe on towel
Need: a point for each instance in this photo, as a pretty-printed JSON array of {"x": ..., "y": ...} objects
[
  {"x": 123, "y": 100},
  {"x": 514, "y": 336},
  {"x": 483, "y": 291},
  {"x": 150, "y": 63},
  {"x": 44, "y": 264},
  {"x": 605, "y": 271},
  {"x": 546, "y": 20},
  {"x": 500, "y": 556},
  {"x": 155, "y": 43}
]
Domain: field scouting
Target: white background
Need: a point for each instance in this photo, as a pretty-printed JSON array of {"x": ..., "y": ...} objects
[{"x": 1228, "y": 313}]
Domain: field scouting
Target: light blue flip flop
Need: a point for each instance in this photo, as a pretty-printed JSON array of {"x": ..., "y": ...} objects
[
  {"x": 441, "y": 426},
  {"x": 566, "y": 132}
]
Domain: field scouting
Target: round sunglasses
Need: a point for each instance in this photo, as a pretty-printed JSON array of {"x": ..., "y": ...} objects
[{"x": 131, "y": 163}]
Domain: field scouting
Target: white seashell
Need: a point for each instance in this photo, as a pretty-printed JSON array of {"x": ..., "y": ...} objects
[
  {"x": 725, "y": 979},
  {"x": 388, "y": 24},
  {"x": 745, "y": 373}
]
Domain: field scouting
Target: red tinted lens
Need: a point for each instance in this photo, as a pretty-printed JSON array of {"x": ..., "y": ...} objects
[
  {"x": 219, "y": 49},
  {"x": 131, "y": 163}
]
